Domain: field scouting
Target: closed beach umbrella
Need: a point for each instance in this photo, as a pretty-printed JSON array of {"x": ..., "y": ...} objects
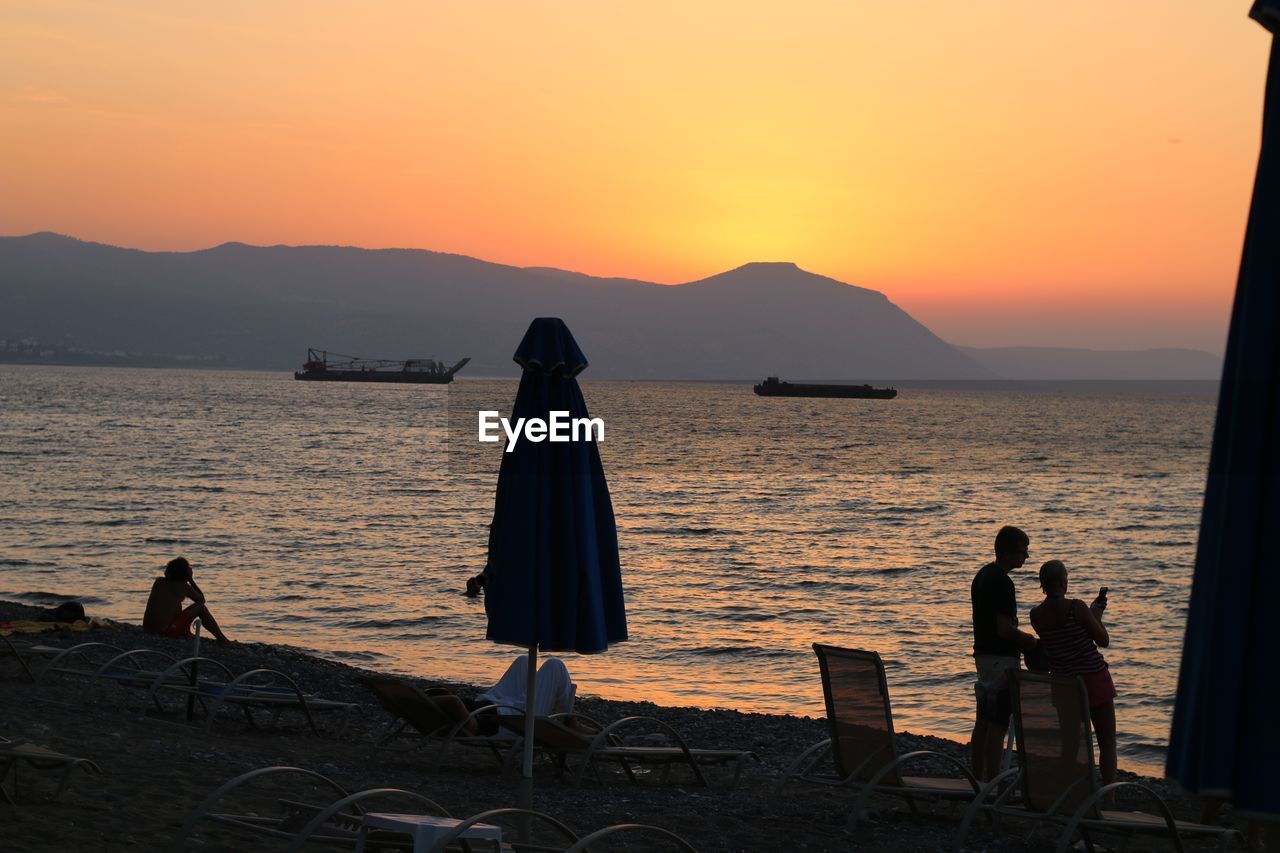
[
  {"x": 554, "y": 582},
  {"x": 1224, "y": 740}
]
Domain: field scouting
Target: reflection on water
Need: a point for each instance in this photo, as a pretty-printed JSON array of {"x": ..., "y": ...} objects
[{"x": 346, "y": 518}]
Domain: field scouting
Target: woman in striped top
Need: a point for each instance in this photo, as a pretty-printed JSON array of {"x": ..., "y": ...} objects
[{"x": 1070, "y": 634}]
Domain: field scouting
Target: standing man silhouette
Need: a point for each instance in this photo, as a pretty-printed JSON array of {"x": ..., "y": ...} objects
[{"x": 997, "y": 643}]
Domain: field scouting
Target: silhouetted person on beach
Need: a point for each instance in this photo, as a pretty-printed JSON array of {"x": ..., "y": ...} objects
[
  {"x": 1070, "y": 634},
  {"x": 997, "y": 643},
  {"x": 165, "y": 614},
  {"x": 476, "y": 585}
]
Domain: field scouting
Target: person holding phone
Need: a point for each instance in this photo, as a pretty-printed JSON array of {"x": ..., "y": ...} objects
[{"x": 1070, "y": 635}]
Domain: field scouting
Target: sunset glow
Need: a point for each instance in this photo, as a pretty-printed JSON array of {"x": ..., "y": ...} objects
[{"x": 1008, "y": 173}]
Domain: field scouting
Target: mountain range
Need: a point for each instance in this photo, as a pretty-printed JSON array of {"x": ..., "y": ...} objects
[{"x": 241, "y": 306}]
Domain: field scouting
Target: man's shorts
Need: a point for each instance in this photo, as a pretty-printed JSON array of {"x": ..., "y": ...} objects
[
  {"x": 181, "y": 624},
  {"x": 992, "y": 690}
]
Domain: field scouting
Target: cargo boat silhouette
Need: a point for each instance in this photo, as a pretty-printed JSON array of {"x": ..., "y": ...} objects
[
  {"x": 772, "y": 387},
  {"x": 324, "y": 366}
]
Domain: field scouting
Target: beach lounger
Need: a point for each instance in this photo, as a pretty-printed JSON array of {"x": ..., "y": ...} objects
[
  {"x": 536, "y": 830},
  {"x": 302, "y": 808},
  {"x": 256, "y": 690},
  {"x": 1056, "y": 778},
  {"x": 417, "y": 715},
  {"x": 107, "y": 665},
  {"x": 82, "y": 659},
  {"x": 299, "y": 806},
  {"x": 9, "y": 650},
  {"x": 565, "y": 736},
  {"x": 861, "y": 753},
  {"x": 13, "y": 753}
]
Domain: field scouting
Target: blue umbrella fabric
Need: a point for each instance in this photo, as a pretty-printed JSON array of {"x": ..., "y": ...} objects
[
  {"x": 1224, "y": 741},
  {"x": 554, "y": 581}
]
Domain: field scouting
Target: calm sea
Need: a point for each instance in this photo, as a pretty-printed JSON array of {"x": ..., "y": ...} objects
[{"x": 345, "y": 518}]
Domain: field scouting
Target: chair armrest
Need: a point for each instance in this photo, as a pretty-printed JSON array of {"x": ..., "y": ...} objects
[
  {"x": 453, "y": 834},
  {"x": 584, "y": 844},
  {"x": 1092, "y": 800},
  {"x": 570, "y": 717},
  {"x": 803, "y": 763},
  {"x": 327, "y": 814}
]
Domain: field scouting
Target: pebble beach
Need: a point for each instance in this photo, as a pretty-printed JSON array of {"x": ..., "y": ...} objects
[{"x": 157, "y": 769}]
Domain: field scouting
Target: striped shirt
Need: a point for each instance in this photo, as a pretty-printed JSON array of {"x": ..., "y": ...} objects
[{"x": 1070, "y": 649}]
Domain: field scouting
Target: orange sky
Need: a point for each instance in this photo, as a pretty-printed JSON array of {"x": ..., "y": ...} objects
[{"x": 1009, "y": 172}]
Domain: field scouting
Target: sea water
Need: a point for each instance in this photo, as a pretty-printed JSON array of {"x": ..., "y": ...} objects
[{"x": 346, "y": 518}]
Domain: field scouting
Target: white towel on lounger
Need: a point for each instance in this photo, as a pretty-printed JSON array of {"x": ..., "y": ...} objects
[{"x": 554, "y": 691}]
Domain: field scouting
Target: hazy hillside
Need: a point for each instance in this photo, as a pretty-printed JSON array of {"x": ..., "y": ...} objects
[
  {"x": 1065, "y": 363},
  {"x": 261, "y": 307},
  {"x": 247, "y": 306}
]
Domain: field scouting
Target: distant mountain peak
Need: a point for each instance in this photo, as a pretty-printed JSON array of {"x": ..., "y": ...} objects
[
  {"x": 762, "y": 277},
  {"x": 52, "y": 242},
  {"x": 50, "y": 238}
]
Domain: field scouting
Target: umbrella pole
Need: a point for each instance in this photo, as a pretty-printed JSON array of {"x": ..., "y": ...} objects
[
  {"x": 195, "y": 678},
  {"x": 526, "y": 775}
]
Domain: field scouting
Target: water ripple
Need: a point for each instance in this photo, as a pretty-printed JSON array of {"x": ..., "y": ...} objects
[{"x": 349, "y": 517}]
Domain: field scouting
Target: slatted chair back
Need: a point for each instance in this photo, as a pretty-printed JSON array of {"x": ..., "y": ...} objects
[
  {"x": 408, "y": 703},
  {"x": 859, "y": 719},
  {"x": 1055, "y": 743}
]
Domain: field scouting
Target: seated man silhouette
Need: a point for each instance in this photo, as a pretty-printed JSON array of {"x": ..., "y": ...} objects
[{"x": 165, "y": 614}]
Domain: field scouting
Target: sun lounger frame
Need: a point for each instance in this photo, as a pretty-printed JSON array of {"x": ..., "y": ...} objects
[
  {"x": 448, "y": 734},
  {"x": 70, "y": 652},
  {"x": 455, "y": 833},
  {"x": 13, "y": 753},
  {"x": 560, "y": 742},
  {"x": 400, "y": 698},
  {"x": 237, "y": 692},
  {"x": 888, "y": 778},
  {"x": 584, "y": 844},
  {"x": 175, "y": 677},
  {"x": 310, "y": 831},
  {"x": 1087, "y": 816},
  {"x": 14, "y": 652}
]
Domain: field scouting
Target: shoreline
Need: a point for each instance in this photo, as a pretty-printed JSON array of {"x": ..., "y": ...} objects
[
  {"x": 360, "y": 661},
  {"x": 157, "y": 771}
]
